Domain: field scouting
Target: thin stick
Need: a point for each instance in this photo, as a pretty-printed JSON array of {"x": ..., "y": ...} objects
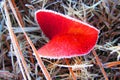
[
  {"x": 100, "y": 64},
  {"x": 70, "y": 69},
  {"x": 42, "y": 66}
]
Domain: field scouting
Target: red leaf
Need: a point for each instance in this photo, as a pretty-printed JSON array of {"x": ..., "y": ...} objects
[{"x": 69, "y": 37}]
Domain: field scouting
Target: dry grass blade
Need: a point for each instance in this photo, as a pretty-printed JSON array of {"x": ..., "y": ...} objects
[
  {"x": 6, "y": 74},
  {"x": 47, "y": 75},
  {"x": 26, "y": 29},
  {"x": 100, "y": 64}
]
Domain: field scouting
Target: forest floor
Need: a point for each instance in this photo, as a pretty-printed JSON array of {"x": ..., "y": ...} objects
[{"x": 17, "y": 58}]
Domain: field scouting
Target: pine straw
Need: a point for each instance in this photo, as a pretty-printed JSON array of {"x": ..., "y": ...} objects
[{"x": 18, "y": 59}]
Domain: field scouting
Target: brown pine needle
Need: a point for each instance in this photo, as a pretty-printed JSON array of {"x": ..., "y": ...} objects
[
  {"x": 100, "y": 64},
  {"x": 70, "y": 69},
  {"x": 42, "y": 66},
  {"x": 18, "y": 14},
  {"x": 16, "y": 45},
  {"x": 112, "y": 64}
]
